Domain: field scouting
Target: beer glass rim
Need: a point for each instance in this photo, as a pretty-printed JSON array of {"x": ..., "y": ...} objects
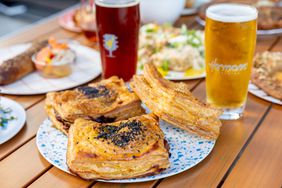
[
  {"x": 116, "y": 3},
  {"x": 232, "y": 12}
]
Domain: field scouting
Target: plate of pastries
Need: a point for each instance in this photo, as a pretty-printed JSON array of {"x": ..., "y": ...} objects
[
  {"x": 269, "y": 14},
  {"x": 45, "y": 66},
  {"x": 266, "y": 80},
  {"x": 109, "y": 131}
]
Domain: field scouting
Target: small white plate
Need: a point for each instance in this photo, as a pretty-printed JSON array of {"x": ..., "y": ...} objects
[
  {"x": 253, "y": 89},
  {"x": 174, "y": 75},
  {"x": 187, "y": 150},
  {"x": 13, "y": 126},
  {"x": 86, "y": 67}
]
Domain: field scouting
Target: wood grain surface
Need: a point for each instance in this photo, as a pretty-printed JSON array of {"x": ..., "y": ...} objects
[{"x": 258, "y": 165}]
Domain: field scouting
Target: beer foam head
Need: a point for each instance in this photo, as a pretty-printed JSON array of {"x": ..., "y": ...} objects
[
  {"x": 116, "y": 3},
  {"x": 230, "y": 12}
]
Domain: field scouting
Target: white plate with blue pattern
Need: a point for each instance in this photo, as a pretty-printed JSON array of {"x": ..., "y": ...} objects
[{"x": 186, "y": 149}]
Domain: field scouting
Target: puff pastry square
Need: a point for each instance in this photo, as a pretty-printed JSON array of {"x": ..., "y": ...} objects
[
  {"x": 126, "y": 149},
  {"x": 106, "y": 101}
]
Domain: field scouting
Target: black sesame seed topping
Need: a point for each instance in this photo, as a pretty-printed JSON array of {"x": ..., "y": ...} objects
[
  {"x": 118, "y": 136},
  {"x": 94, "y": 92}
]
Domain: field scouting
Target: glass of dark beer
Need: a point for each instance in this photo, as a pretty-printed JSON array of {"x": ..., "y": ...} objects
[{"x": 118, "y": 24}]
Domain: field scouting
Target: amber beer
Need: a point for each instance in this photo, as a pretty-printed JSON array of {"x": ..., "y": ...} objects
[
  {"x": 230, "y": 38},
  {"x": 118, "y": 24}
]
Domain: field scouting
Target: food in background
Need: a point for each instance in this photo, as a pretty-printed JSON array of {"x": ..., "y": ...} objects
[
  {"x": 54, "y": 60},
  {"x": 19, "y": 66},
  {"x": 84, "y": 17},
  {"x": 267, "y": 73},
  {"x": 269, "y": 12},
  {"x": 171, "y": 49}
]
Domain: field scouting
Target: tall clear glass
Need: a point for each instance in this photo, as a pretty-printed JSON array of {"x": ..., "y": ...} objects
[
  {"x": 230, "y": 39},
  {"x": 118, "y": 23}
]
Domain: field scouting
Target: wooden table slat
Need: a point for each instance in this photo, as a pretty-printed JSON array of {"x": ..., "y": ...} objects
[
  {"x": 58, "y": 34},
  {"x": 29, "y": 35},
  {"x": 26, "y": 101},
  {"x": 278, "y": 45},
  {"x": 264, "y": 43},
  {"x": 56, "y": 178},
  {"x": 260, "y": 164},
  {"x": 22, "y": 166}
]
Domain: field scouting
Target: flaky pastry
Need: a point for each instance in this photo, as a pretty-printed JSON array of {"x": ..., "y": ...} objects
[
  {"x": 174, "y": 103},
  {"x": 106, "y": 101},
  {"x": 125, "y": 149}
]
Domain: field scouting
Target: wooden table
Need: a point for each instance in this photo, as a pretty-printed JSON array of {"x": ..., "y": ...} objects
[{"x": 248, "y": 152}]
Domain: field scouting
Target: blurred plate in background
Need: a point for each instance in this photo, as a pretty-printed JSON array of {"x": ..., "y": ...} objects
[
  {"x": 13, "y": 126},
  {"x": 67, "y": 22},
  {"x": 86, "y": 67}
]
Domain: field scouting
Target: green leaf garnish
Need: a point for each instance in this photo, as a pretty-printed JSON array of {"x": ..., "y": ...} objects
[
  {"x": 4, "y": 116},
  {"x": 165, "y": 65}
]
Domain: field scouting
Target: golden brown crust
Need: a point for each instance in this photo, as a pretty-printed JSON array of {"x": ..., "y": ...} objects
[
  {"x": 105, "y": 101},
  {"x": 120, "y": 150},
  {"x": 264, "y": 75},
  {"x": 174, "y": 103},
  {"x": 19, "y": 66}
]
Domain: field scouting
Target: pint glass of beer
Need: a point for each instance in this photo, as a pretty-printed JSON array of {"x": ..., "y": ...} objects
[
  {"x": 230, "y": 38},
  {"x": 118, "y": 24}
]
